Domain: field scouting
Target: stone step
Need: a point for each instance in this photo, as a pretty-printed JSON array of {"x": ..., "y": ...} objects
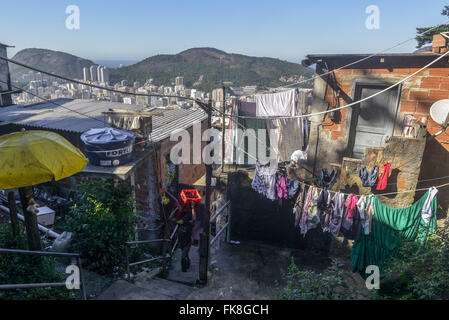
[{"x": 155, "y": 289}]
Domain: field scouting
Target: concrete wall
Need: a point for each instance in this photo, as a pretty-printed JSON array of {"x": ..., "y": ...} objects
[{"x": 406, "y": 157}]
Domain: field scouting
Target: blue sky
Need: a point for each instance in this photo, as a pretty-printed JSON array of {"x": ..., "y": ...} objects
[{"x": 133, "y": 30}]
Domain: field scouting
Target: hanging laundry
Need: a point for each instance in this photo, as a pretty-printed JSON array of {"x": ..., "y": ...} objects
[
  {"x": 363, "y": 215},
  {"x": 338, "y": 205},
  {"x": 276, "y": 104},
  {"x": 324, "y": 205},
  {"x": 382, "y": 185},
  {"x": 264, "y": 181},
  {"x": 327, "y": 180},
  {"x": 369, "y": 179},
  {"x": 369, "y": 212},
  {"x": 313, "y": 218},
  {"x": 390, "y": 227},
  {"x": 348, "y": 219},
  {"x": 281, "y": 188},
  {"x": 305, "y": 211},
  {"x": 427, "y": 208},
  {"x": 299, "y": 203},
  {"x": 292, "y": 188},
  {"x": 351, "y": 202},
  {"x": 286, "y": 135},
  {"x": 354, "y": 232}
]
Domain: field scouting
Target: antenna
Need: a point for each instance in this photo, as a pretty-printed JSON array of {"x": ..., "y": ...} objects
[{"x": 440, "y": 114}]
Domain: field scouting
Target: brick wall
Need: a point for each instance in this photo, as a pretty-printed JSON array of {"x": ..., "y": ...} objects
[{"x": 416, "y": 97}]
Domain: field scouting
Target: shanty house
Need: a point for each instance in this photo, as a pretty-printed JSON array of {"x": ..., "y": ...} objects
[{"x": 375, "y": 131}]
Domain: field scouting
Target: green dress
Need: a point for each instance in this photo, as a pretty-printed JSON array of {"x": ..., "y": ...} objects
[{"x": 391, "y": 226}]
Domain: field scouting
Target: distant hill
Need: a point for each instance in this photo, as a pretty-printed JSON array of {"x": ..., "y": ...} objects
[
  {"x": 57, "y": 62},
  {"x": 202, "y": 68},
  {"x": 214, "y": 65}
]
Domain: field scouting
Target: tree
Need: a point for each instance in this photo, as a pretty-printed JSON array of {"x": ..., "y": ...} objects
[{"x": 425, "y": 37}]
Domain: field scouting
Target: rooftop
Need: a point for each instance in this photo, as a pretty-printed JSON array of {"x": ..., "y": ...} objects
[
  {"x": 417, "y": 59},
  {"x": 70, "y": 116}
]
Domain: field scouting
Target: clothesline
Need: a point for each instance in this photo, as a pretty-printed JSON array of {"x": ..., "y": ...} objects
[
  {"x": 381, "y": 194},
  {"x": 350, "y": 104},
  {"x": 388, "y": 184}
]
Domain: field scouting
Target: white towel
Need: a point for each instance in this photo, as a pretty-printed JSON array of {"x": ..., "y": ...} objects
[
  {"x": 426, "y": 212},
  {"x": 276, "y": 104}
]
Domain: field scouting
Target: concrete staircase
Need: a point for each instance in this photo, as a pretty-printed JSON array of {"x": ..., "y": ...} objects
[{"x": 155, "y": 289}]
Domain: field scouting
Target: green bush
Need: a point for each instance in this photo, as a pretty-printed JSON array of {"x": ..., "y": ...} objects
[
  {"x": 17, "y": 269},
  {"x": 102, "y": 220},
  {"x": 309, "y": 285},
  {"x": 421, "y": 270}
]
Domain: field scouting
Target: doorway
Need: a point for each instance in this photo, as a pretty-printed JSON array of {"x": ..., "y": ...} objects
[{"x": 372, "y": 121}]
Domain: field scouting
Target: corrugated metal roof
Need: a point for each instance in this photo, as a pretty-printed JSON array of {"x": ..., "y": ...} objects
[{"x": 71, "y": 116}]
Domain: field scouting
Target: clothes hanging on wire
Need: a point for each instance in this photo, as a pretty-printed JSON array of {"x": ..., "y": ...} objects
[
  {"x": 353, "y": 230},
  {"x": 286, "y": 135},
  {"x": 326, "y": 179},
  {"x": 382, "y": 185},
  {"x": 305, "y": 211},
  {"x": 369, "y": 213},
  {"x": 369, "y": 178},
  {"x": 324, "y": 205},
  {"x": 427, "y": 208},
  {"x": 292, "y": 188},
  {"x": 299, "y": 204},
  {"x": 281, "y": 188},
  {"x": 338, "y": 205},
  {"x": 313, "y": 218},
  {"x": 264, "y": 181},
  {"x": 390, "y": 227},
  {"x": 276, "y": 104}
]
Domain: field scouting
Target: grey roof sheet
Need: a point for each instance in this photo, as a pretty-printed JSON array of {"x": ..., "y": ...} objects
[{"x": 72, "y": 116}]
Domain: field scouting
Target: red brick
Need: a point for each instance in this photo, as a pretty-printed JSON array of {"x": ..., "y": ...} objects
[
  {"x": 439, "y": 72},
  {"x": 431, "y": 83},
  {"x": 439, "y": 94},
  {"x": 413, "y": 70},
  {"x": 423, "y": 107},
  {"x": 404, "y": 94},
  {"x": 408, "y": 106},
  {"x": 378, "y": 71},
  {"x": 419, "y": 95},
  {"x": 401, "y": 71},
  {"x": 337, "y": 134}
]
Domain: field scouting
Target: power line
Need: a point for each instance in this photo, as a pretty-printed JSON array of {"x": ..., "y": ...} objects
[
  {"x": 390, "y": 193},
  {"x": 352, "y": 103},
  {"x": 98, "y": 86}
]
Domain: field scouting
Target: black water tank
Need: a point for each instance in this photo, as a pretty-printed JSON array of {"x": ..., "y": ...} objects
[{"x": 108, "y": 147}]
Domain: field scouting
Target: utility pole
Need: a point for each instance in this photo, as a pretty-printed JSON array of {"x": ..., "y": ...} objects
[
  {"x": 223, "y": 129},
  {"x": 205, "y": 235}
]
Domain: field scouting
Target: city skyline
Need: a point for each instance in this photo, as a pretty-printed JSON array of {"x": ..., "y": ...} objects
[{"x": 287, "y": 30}]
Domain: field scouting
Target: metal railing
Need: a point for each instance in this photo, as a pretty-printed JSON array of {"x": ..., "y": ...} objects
[
  {"x": 44, "y": 284},
  {"x": 227, "y": 226},
  {"x": 165, "y": 257}
]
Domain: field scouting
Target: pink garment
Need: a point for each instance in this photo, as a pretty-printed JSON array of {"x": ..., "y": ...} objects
[
  {"x": 281, "y": 187},
  {"x": 350, "y": 204},
  {"x": 305, "y": 211}
]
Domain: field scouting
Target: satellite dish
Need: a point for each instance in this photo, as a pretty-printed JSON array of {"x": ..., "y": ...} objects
[
  {"x": 440, "y": 114},
  {"x": 440, "y": 111}
]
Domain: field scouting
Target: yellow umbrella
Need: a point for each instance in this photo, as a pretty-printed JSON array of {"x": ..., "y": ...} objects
[{"x": 32, "y": 157}]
